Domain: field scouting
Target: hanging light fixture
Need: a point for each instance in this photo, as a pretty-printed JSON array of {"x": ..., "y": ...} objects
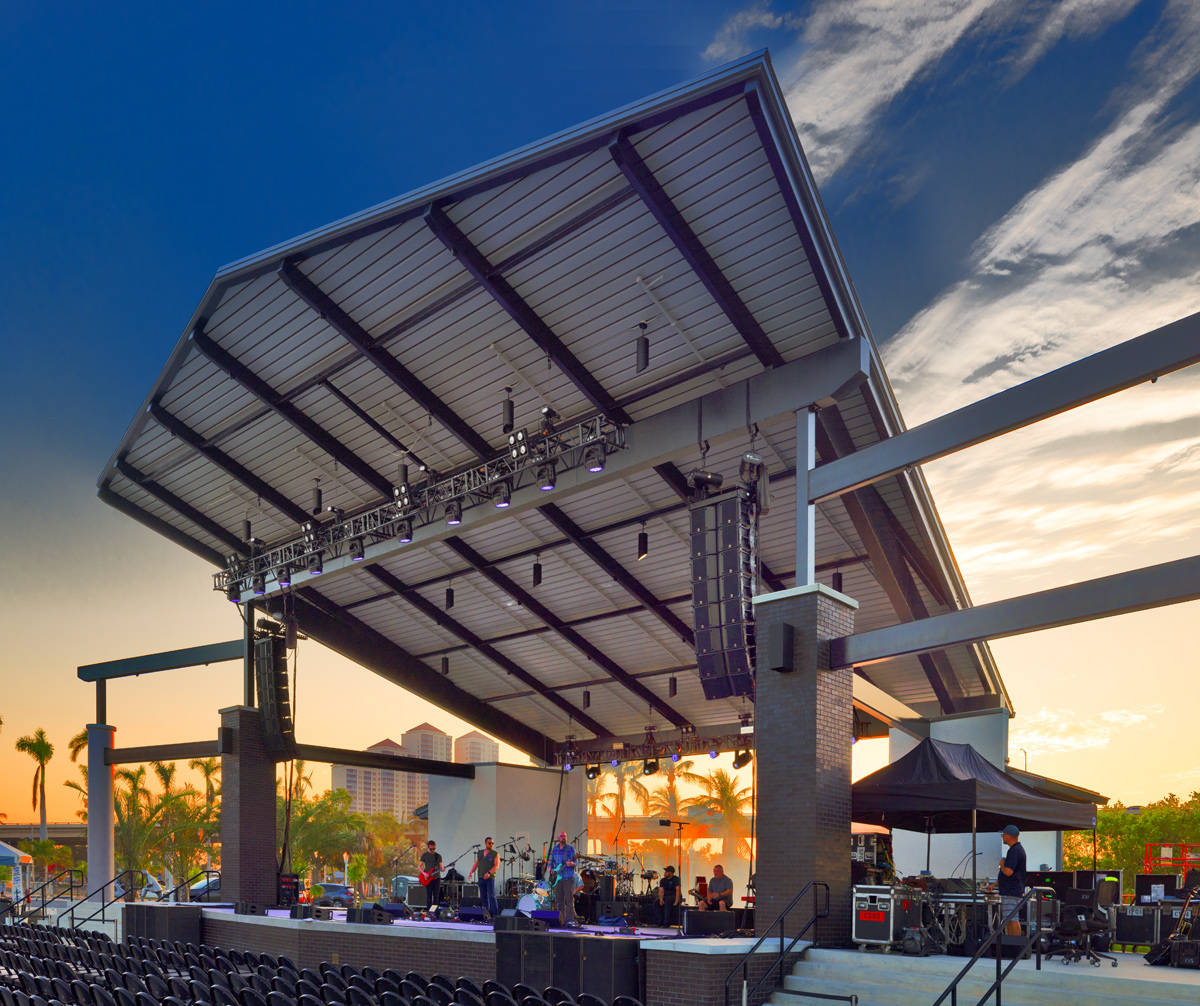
[
  {"x": 592, "y": 771},
  {"x": 545, "y": 476},
  {"x": 357, "y": 552},
  {"x": 284, "y": 576},
  {"x": 316, "y": 564},
  {"x": 454, "y": 513},
  {"x": 404, "y": 531},
  {"x": 742, "y": 759},
  {"x": 593, "y": 458},
  {"x": 643, "y": 549},
  {"x": 233, "y": 591},
  {"x": 258, "y": 584},
  {"x": 650, "y": 766},
  {"x": 502, "y": 495}
]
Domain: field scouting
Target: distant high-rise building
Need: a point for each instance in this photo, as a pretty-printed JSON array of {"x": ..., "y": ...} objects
[
  {"x": 476, "y": 747},
  {"x": 427, "y": 741},
  {"x": 375, "y": 791}
]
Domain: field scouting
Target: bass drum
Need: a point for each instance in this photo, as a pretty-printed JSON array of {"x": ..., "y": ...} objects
[{"x": 527, "y": 903}]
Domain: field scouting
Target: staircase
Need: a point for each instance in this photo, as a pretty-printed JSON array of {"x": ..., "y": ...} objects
[{"x": 894, "y": 980}]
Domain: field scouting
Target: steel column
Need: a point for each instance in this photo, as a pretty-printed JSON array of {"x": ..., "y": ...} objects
[{"x": 806, "y": 513}]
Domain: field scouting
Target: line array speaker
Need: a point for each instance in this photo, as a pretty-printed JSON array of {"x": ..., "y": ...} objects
[
  {"x": 270, "y": 673},
  {"x": 723, "y": 543}
]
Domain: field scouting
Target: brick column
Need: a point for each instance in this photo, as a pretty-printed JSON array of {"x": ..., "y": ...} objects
[
  {"x": 248, "y": 843},
  {"x": 804, "y": 722}
]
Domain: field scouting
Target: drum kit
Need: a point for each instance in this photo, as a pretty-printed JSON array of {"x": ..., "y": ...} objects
[{"x": 597, "y": 879}]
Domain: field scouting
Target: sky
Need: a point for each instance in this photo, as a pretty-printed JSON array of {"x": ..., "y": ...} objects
[{"x": 1013, "y": 185}]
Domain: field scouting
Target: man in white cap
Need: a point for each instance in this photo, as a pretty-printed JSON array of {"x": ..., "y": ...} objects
[{"x": 1010, "y": 882}]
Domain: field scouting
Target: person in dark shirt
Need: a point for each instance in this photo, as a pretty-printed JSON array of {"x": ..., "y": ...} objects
[
  {"x": 431, "y": 863},
  {"x": 486, "y": 864},
  {"x": 1010, "y": 882},
  {"x": 670, "y": 894}
]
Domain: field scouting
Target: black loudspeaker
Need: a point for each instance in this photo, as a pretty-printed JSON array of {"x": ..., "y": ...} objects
[
  {"x": 723, "y": 571},
  {"x": 564, "y": 963},
  {"x": 300, "y": 912},
  {"x": 270, "y": 674},
  {"x": 465, "y": 902},
  {"x": 394, "y": 909},
  {"x": 508, "y": 957},
  {"x": 781, "y": 646},
  {"x": 249, "y": 908},
  {"x": 417, "y": 897},
  {"x": 471, "y": 914},
  {"x": 288, "y": 892},
  {"x": 609, "y": 968},
  {"x": 518, "y": 923},
  {"x": 707, "y": 923},
  {"x": 368, "y": 917},
  {"x": 616, "y": 909}
]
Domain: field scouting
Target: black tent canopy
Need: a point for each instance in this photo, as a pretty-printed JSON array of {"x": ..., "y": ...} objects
[{"x": 938, "y": 785}]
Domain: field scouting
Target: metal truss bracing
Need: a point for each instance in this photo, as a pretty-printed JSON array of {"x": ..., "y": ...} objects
[
  {"x": 642, "y": 179},
  {"x": 656, "y": 745},
  {"x": 589, "y": 650},
  {"x": 332, "y": 314},
  {"x": 485, "y": 649}
]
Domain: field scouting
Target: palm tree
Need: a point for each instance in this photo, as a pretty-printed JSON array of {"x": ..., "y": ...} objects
[
  {"x": 209, "y": 768},
  {"x": 726, "y": 802},
  {"x": 77, "y": 744},
  {"x": 41, "y": 751},
  {"x": 627, "y": 777},
  {"x": 81, "y": 789}
]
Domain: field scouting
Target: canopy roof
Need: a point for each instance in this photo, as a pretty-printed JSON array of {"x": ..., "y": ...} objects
[
  {"x": 937, "y": 785},
  {"x": 11, "y": 857},
  {"x": 394, "y": 333}
]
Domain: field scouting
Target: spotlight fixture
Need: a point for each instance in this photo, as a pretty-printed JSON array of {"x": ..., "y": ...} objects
[
  {"x": 675, "y": 756},
  {"x": 449, "y": 598},
  {"x": 454, "y": 513},
  {"x": 650, "y": 766},
  {"x": 518, "y": 445},
  {"x": 853, "y": 740},
  {"x": 316, "y": 564},
  {"x": 742, "y": 759},
  {"x": 233, "y": 591},
  {"x": 615, "y": 762},
  {"x": 712, "y": 752},
  {"x": 704, "y": 482},
  {"x": 445, "y": 666},
  {"x": 502, "y": 495},
  {"x": 356, "y": 550},
  {"x": 506, "y": 412},
  {"x": 549, "y": 418},
  {"x": 642, "y": 357},
  {"x": 545, "y": 476},
  {"x": 592, "y": 771},
  {"x": 284, "y": 576},
  {"x": 404, "y": 531},
  {"x": 537, "y": 574},
  {"x": 567, "y": 767},
  {"x": 258, "y": 584},
  {"x": 593, "y": 458},
  {"x": 643, "y": 544},
  {"x": 672, "y": 686}
]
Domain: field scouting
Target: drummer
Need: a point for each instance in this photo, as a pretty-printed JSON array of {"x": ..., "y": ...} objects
[{"x": 486, "y": 864}]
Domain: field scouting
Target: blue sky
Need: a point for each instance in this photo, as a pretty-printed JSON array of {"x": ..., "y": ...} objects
[{"x": 1013, "y": 185}]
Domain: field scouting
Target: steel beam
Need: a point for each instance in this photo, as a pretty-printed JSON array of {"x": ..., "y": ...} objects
[
  {"x": 589, "y": 650},
  {"x": 620, "y": 575},
  {"x": 181, "y": 507},
  {"x": 169, "y": 660},
  {"x": 263, "y": 490},
  {"x": 171, "y": 752},
  {"x": 291, "y": 414},
  {"x": 325, "y": 622},
  {"x": 350, "y": 330},
  {"x": 1145, "y": 358},
  {"x": 1136, "y": 590},
  {"x": 159, "y": 526},
  {"x": 393, "y": 763},
  {"x": 473, "y": 260},
  {"x": 370, "y": 420},
  {"x": 656, "y": 200},
  {"x": 484, "y": 649}
]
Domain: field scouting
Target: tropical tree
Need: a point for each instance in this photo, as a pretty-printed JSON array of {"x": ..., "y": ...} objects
[
  {"x": 726, "y": 803},
  {"x": 137, "y": 816},
  {"x": 391, "y": 846},
  {"x": 41, "y": 751},
  {"x": 321, "y": 828},
  {"x": 182, "y": 822},
  {"x": 209, "y": 768},
  {"x": 627, "y": 779},
  {"x": 80, "y": 787},
  {"x": 356, "y": 871},
  {"x": 77, "y": 745}
]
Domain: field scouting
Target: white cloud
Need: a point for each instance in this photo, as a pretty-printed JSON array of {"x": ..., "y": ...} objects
[
  {"x": 1054, "y": 731},
  {"x": 727, "y": 44}
]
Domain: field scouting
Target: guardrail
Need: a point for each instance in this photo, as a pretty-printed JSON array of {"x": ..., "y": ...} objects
[{"x": 104, "y": 905}]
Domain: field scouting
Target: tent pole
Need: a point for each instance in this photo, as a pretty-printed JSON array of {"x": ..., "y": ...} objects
[
  {"x": 974, "y": 878},
  {"x": 928, "y": 840},
  {"x": 1093, "y": 859}
]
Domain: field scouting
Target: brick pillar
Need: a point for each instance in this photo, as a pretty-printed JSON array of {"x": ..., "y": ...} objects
[
  {"x": 804, "y": 722},
  {"x": 248, "y": 843}
]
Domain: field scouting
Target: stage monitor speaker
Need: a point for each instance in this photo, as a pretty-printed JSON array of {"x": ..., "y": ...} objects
[
  {"x": 615, "y": 910},
  {"x": 707, "y": 923},
  {"x": 469, "y": 891},
  {"x": 518, "y": 923},
  {"x": 724, "y": 566},
  {"x": 368, "y": 917},
  {"x": 300, "y": 912},
  {"x": 417, "y": 896},
  {"x": 470, "y": 914},
  {"x": 271, "y": 680},
  {"x": 249, "y": 908},
  {"x": 394, "y": 909},
  {"x": 465, "y": 902},
  {"x": 548, "y": 917}
]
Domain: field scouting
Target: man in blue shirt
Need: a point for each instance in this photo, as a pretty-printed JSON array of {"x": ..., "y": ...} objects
[
  {"x": 1010, "y": 882},
  {"x": 562, "y": 875}
]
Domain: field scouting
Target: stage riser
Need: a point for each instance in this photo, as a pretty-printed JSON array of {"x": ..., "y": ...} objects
[{"x": 699, "y": 979}]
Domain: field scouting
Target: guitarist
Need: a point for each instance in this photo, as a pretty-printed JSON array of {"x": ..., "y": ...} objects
[
  {"x": 486, "y": 864},
  {"x": 431, "y": 877},
  {"x": 562, "y": 879}
]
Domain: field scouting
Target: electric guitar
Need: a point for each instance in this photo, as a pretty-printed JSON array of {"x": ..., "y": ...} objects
[{"x": 425, "y": 876}]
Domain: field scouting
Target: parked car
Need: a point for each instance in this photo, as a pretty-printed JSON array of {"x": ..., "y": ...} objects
[
  {"x": 338, "y": 895},
  {"x": 208, "y": 889}
]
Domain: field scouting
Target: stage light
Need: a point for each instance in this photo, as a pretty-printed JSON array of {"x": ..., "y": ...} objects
[
  {"x": 643, "y": 544},
  {"x": 537, "y": 574},
  {"x": 672, "y": 686},
  {"x": 592, "y": 771},
  {"x": 284, "y": 576},
  {"x": 449, "y": 598},
  {"x": 675, "y": 756},
  {"x": 650, "y": 766},
  {"x": 454, "y": 513},
  {"x": 545, "y": 476},
  {"x": 615, "y": 762},
  {"x": 549, "y": 418},
  {"x": 518, "y": 445},
  {"x": 506, "y": 412},
  {"x": 567, "y": 767},
  {"x": 853, "y": 740},
  {"x": 233, "y": 591},
  {"x": 404, "y": 531},
  {"x": 502, "y": 495},
  {"x": 316, "y": 565},
  {"x": 593, "y": 458},
  {"x": 357, "y": 554},
  {"x": 742, "y": 759},
  {"x": 258, "y": 584},
  {"x": 712, "y": 752}
]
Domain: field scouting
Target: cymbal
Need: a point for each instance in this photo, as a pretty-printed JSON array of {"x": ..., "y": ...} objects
[{"x": 589, "y": 859}]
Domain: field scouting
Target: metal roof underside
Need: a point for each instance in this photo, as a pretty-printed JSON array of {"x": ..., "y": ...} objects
[{"x": 328, "y": 357}]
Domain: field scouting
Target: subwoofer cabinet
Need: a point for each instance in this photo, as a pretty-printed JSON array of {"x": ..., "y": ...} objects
[{"x": 604, "y": 967}]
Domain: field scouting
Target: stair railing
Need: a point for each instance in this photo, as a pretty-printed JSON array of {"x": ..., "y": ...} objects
[
  {"x": 167, "y": 895},
  {"x": 27, "y": 898},
  {"x": 104, "y": 905}
]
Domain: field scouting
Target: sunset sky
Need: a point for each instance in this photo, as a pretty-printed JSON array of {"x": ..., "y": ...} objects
[{"x": 1014, "y": 185}]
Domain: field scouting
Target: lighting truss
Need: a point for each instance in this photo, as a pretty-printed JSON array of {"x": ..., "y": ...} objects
[
  {"x": 595, "y": 751},
  {"x": 333, "y": 533}
]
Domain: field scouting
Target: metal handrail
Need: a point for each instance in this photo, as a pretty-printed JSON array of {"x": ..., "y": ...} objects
[
  {"x": 75, "y": 924},
  {"x": 743, "y": 964},
  {"x": 1034, "y": 939},
  {"x": 58, "y": 876},
  {"x": 178, "y": 887}
]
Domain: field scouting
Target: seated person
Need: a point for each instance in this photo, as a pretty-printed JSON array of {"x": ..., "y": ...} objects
[
  {"x": 670, "y": 894},
  {"x": 720, "y": 892}
]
